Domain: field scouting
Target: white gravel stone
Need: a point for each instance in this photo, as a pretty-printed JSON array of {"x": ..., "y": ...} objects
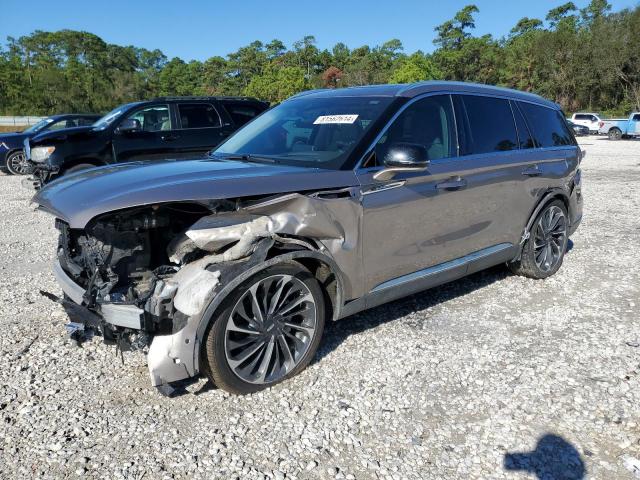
[{"x": 444, "y": 384}]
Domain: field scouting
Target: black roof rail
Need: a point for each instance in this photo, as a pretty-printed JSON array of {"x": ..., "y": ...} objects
[{"x": 211, "y": 97}]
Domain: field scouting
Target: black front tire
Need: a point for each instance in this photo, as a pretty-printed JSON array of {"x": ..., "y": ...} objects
[
  {"x": 529, "y": 265},
  {"x": 217, "y": 365}
]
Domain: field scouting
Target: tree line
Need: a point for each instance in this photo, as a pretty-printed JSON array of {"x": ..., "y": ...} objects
[{"x": 584, "y": 59}]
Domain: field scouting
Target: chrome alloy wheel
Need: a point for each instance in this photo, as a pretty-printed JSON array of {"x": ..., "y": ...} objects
[
  {"x": 550, "y": 238},
  {"x": 270, "y": 329},
  {"x": 17, "y": 163}
]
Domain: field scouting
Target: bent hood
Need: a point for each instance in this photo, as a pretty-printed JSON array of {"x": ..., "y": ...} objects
[{"x": 80, "y": 197}]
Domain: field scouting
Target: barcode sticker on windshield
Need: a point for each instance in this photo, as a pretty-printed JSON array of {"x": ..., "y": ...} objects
[{"x": 322, "y": 119}]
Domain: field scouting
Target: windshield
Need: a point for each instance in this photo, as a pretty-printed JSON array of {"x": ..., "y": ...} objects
[
  {"x": 317, "y": 132},
  {"x": 39, "y": 126},
  {"x": 111, "y": 116}
]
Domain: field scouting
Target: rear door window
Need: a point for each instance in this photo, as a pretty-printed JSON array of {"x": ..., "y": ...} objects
[
  {"x": 547, "y": 125},
  {"x": 485, "y": 125},
  {"x": 198, "y": 115}
]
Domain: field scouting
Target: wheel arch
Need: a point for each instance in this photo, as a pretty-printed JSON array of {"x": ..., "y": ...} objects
[
  {"x": 547, "y": 198},
  {"x": 321, "y": 266},
  {"x": 11, "y": 151}
]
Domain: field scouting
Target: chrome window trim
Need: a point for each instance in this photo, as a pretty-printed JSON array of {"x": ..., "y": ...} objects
[{"x": 359, "y": 170}]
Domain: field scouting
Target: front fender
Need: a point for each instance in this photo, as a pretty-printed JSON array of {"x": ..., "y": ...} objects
[{"x": 177, "y": 356}]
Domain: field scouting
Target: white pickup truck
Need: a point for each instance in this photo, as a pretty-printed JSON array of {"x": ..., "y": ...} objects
[
  {"x": 621, "y": 127},
  {"x": 590, "y": 120}
]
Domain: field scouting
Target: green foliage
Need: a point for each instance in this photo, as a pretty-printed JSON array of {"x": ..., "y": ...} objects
[
  {"x": 277, "y": 84},
  {"x": 415, "y": 68},
  {"x": 583, "y": 59}
]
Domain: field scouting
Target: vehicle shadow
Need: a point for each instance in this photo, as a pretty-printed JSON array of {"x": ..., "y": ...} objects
[
  {"x": 337, "y": 332},
  {"x": 554, "y": 458}
]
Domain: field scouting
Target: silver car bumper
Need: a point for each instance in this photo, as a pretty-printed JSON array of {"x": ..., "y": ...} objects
[
  {"x": 170, "y": 357},
  {"x": 128, "y": 316}
]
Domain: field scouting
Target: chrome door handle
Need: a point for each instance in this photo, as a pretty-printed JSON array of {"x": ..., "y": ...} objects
[
  {"x": 532, "y": 171},
  {"x": 169, "y": 138},
  {"x": 455, "y": 183}
]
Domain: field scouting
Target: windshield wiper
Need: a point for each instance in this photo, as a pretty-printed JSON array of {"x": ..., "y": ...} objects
[{"x": 247, "y": 158}]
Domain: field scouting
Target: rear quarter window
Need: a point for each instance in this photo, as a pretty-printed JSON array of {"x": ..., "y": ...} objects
[
  {"x": 547, "y": 125},
  {"x": 524, "y": 135},
  {"x": 489, "y": 125},
  {"x": 242, "y": 113}
]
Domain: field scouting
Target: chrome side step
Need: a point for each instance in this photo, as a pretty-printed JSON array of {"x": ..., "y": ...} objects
[{"x": 442, "y": 267}]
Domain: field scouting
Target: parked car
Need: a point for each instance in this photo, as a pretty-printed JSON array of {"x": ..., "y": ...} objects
[
  {"x": 330, "y": 203},
  {"x": 12, "y": 144},
  {"x": 578, "y": 130},
  {"x": 164, "y": 128},
  {"x": 589, "y": 120},
  {"x": 621, "y": 128}
]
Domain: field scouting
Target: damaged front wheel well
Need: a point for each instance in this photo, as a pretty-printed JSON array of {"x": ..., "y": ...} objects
[{"x": 327, "y": 280}]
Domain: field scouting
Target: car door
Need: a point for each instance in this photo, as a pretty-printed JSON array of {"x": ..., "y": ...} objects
[
  {"x": 154, "y": 140},
  {"x": 634, "y": 127},
  {"x": 201, "y": 128},
  {"x": 455, "y": 207}
]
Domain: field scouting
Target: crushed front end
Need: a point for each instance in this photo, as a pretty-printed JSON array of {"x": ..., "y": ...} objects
[
  {"x": 144, "y": 277},
  {"x": 118, "y": 279}
]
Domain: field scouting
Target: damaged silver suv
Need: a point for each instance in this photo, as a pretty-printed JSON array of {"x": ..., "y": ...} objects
[{"x": 330, "y": 203}]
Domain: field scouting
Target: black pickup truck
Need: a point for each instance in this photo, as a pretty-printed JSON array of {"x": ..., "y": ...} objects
[{"x": 159, "y": 129}]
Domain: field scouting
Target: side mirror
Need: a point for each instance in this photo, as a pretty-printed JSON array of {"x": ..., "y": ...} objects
[
  {"x": 403, "y": 157},
  {"x": 129, "y": 125}
]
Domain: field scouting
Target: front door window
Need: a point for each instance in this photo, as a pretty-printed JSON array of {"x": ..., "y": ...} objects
[
  {"x": 427, "y": 122},
  {"x": 153, "y": 119}
]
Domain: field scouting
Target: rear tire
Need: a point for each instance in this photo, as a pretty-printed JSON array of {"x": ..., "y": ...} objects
[
  {"x": 615, "y": 134},
  {"x": 255, "y": 340},
  {"x": 543, "y": 252}
]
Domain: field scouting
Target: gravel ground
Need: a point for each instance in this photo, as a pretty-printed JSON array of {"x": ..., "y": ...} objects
[{"x": 493, "y": 376}]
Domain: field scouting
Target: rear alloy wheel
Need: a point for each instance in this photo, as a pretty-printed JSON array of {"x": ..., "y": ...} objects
[
  {"x": 615, "y": 134},
  {"x": 543, "y": 251},
  {"x": 17, "y": 163},
  {"x": 269, "y": 330}
]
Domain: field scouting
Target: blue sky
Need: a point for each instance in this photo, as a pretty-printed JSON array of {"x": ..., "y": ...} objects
[{"x": 199, "y": 29}]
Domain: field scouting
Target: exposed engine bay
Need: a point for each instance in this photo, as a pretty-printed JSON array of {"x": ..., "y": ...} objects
[{"x": 148, "y": 273}]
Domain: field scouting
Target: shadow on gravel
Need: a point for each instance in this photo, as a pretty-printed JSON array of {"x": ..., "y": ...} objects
[
  {"x": 338, "y": 332},
  {"x": 554, "y": 459}
]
